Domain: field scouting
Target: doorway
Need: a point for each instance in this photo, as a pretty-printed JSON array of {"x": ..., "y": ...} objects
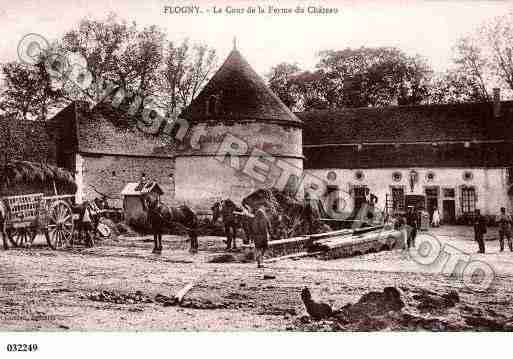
[
  {"x": 449, "y": 211},
  {"x": 432, "y": 194},
  {"x": 416, "y": 201}
]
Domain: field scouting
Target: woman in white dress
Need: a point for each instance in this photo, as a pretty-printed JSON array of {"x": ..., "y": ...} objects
[{"x": 436, "y": 218}]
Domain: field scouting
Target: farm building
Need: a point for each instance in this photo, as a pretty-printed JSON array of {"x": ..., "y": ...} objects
[
  {"x": 454, "y": 157},
  {"x": 133, "y": 207},
  {"x": 105, "y": 151},
  {"x": 235, "y": 106}
]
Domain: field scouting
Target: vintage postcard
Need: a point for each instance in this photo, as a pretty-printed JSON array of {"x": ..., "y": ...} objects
[{"x": 255, "y": 166}]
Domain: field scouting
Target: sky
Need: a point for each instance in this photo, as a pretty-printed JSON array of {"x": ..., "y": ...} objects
[{"x": 428, "y": 28}]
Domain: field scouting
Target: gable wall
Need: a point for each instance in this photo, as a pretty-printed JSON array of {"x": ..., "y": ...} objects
[{"x": 110, "y": 173}]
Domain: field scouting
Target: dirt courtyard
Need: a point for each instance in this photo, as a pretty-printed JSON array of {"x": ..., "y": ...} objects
[{"x": 114, "y": 285}]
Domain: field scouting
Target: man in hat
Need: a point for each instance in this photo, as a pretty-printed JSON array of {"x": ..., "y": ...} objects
[
  {"x": 3, "y": 215},
  {"x": 479, "y": 230},
  {"x": 312, "y": 214},
  {"x": 260, "y": 231},
  {"x": 412, "y": 222},
  {"x": 504, "y": 221}
]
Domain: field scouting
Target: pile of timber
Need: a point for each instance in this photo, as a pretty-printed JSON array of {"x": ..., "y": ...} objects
[
  {"x": 354, "y": 242},
  {"x": 336, "y": 244}
]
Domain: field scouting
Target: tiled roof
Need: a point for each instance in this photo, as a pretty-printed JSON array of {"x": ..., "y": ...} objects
[
  {"x": 429, "y": 123},
  {"x": 242, "y": 96},
  {"x": 410, "y": 155},
  {"x": 107, "y": 130},
  {"x": 139, "y": 188},
  {"x": 31, "y": 140}
]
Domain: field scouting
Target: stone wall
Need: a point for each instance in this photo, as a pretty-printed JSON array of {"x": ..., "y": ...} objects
[
  {"x": 109, "y": 174},
  {"x": 200, "y": 181},
  {"x": 231, "y": 161}
]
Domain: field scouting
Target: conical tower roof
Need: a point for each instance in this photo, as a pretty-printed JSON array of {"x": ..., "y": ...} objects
[{"x": 237, "y": 93}]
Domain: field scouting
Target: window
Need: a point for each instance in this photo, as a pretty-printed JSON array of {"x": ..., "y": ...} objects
[
  {"x": 432, "y": 192},
  {"x": 449, "y": 192},
  {"x": 332, "y": 195},
  {"x": 398, "y": 198},
  {"x": 331, "y": 176},
  {"x": 468, "y": 176},
  {"x": 468, "y": 199},
  {"x": 359, "y": 175},
  {"x": 397, "y": 176},
  {"x": 212, "y": 105}
]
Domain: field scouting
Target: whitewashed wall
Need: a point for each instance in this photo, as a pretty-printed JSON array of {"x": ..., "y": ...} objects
[
  {"x": 202, "y": 177},
  {"x": 490, "y": 184}
]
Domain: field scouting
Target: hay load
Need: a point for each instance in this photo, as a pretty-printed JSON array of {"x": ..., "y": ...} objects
[
  {"x": 24, "y": 177},
  {"x": 287, "y": 214}
]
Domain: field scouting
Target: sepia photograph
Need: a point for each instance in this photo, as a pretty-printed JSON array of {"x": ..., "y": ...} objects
[{"x": 244, "y": 166}]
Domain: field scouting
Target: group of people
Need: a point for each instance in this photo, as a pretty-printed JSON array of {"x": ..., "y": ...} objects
[
  {"x": 89, "y": 218},
  {"x": 504, "y": 221},
  {"x": 411, "y": 223}
]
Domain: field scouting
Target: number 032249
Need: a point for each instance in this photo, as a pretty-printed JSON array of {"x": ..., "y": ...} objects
[{"x": 22, "y": 347}]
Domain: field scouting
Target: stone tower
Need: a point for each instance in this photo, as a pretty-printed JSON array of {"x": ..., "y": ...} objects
[{"x": 241, "y": 138}]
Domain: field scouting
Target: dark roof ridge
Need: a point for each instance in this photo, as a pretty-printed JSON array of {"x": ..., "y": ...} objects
[{"x": 391, "y": 107}]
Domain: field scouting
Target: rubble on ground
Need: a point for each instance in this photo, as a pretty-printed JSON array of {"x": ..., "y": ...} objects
[
  {"x": 119, "y": 298},
  {"x": 407, "y": 309}
]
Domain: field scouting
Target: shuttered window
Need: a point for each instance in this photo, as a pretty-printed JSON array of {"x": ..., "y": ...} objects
[
  {"x": 468, "y": 199},
  {"x": 398, "y": 198}
]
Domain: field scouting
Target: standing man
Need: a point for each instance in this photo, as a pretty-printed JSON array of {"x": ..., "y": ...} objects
[
  {"x": 311, "y": 213},
  {"x": 412, "y": 222},
  {"x": 479, "y": 230},
  {"x": 87, "y": 225},
  {"x": 504, "y": 220},
  {"x": 156, "y": 221},
  {"x": 261, "y": 231},
  {"x": 3, "y": 215}
]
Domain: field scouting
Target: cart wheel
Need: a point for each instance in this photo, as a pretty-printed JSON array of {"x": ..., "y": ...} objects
[
  {"x": 21, "y": 237},
  {"x": 15, "y": 236},
  {"x": 59, "y": 230}
]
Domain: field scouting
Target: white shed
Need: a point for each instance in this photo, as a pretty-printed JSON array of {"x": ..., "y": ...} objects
[{"x": 133, "y": 194}]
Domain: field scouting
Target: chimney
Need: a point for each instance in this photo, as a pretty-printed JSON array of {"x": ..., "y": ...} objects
[{"x": 496, "y": 102}]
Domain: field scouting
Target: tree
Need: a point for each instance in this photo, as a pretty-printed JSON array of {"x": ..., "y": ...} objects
[
  {"x": 354, "y": 78},
  {"x": 496, "y": 43},
  {"x": 187, "y": 68},
  {"x": 280, "y": 80},
  {"x": 374, "y": 77},
  {"x": 454, "y": 86},
  {"x": 118, "y": 56},
  {"x": 471, "y": 68},
  {"x": 28, "y": 91},
  {"x": 484, "y": 59}
]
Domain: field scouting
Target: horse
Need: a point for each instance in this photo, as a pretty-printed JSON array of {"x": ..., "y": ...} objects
[
  {"x": 3, "y": 216},
  {"x": 160, "y": 216},
  {"x": 227, "y": 211}
]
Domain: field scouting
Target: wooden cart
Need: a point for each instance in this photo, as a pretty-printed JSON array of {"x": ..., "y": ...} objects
[{"x": 28, "y": 215}]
